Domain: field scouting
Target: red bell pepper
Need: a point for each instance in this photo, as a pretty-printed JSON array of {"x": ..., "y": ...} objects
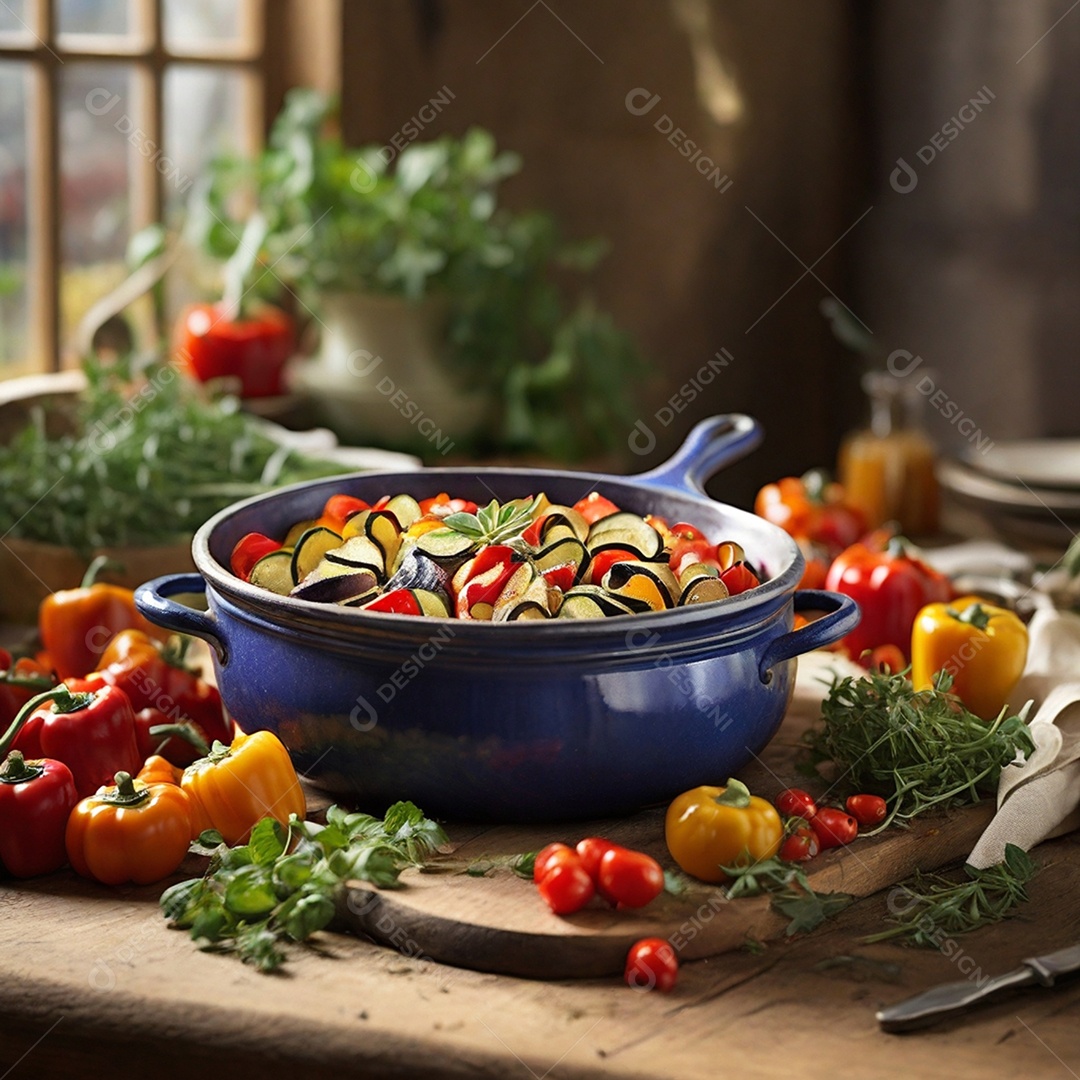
[
  {"x": 157, "y": 677},
  {"x": 91, "y": 732},
  {"x": 396, "y": 602},
  {"x": 20, "y": 680},
  {"x": 36, "y": 799},
  {"x": 603, "y": 561},
  {"x": 488, "y": 574},
  {"x": 890, "y": 584},
  {"x": 254, "y": 350},
  {"x": 739, "y": 578}
]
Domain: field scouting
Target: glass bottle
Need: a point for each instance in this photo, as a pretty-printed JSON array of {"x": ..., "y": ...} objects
[{"x": 888, "y": 469}]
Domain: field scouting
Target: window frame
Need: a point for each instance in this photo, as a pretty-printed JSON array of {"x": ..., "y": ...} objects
[{"x": 45, "y": 50}]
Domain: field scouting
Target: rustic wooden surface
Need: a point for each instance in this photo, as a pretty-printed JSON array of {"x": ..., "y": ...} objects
[{"x": 90, "y": 978}]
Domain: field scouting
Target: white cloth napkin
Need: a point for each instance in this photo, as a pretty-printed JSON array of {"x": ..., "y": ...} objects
[{"x": 1038, "y": 798}]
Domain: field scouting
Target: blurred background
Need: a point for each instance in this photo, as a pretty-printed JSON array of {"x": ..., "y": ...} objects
[{"x": 912, "y": 163}]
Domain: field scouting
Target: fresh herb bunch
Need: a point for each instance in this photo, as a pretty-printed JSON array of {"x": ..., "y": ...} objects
[
  {"x": 285, "y": 883},
  {"x": 791, "y": 892},
  {"x": 916, "y": 748},
  {"x": 936, "y": 907},
  {"x": 560, "y": 374},
  {"x": 149, "y": 462}
]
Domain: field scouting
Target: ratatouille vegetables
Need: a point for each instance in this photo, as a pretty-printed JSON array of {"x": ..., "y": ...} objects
[{"x": 519, "y": 560}]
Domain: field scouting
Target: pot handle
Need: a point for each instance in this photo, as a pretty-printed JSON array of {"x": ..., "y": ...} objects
[
  {"x": 153, "y": 600},
  {"x": 842, "y": 615},
  {"x": 710, "y": 446}
]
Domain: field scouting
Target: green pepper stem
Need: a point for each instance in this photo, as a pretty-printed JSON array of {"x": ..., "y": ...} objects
[
  {"x": 126, "y": 793},
  {"x": 57, "y": 693},
  {"x": 735, "y": 794},
  {"x": 16, "y": 770},
  {"x": 102, "y": 562},
  {"x": 188, "y": 732},
  {"x": 973, "y": 615}
]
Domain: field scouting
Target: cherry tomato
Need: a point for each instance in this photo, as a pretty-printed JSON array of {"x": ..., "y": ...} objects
[
  {"x": 550, "y": 856},
  {"x": 801, "y": 846},
  {"x": 630, "y": 878},
  {"x": 794, "y": 802},
  {"x": 651, "y": 964},
  {"x": 566, "y": 887},
  {"x": 591, "y": 850},
  {"x": 834, "y": 828},
  {"x": 867, "y": 810},
  {"x": 888, "y": 658},
  {"x": 683, "y": 530},
  {"x": 248, "y": 551},
  {"x": 594, "y": 507}
]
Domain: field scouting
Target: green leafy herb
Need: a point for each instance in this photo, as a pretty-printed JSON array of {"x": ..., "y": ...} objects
[
  {"x": 285, "y": 883},
  {"x": 494, "y": 523},
  {"x": 933, "y": 908},
  {"x": 916, "y": 748},
  {"x": 147, "y": 462},
  {"x": 791, "y": 893}
]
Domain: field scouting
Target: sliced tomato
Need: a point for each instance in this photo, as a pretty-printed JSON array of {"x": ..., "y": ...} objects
[
  {"x": 561, "y": 577},
  {"x": 739, "y": 578},
  {"x": 683, "y": 530},
  {"x": 687, "y": 552},
  {"x": 248, "y": 551},
  {"x": 594, "y": 507},
  {"x": 396, "y": 602},
  {"x": 339, "y": 508},
  {"x": 603, "y": 561},
  {"x": 442, "y": 505}
]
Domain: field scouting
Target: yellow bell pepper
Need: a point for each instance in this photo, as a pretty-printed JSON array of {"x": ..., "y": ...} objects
[
  {"x": 709, "y": 827},
  {"x": 984, "y": 648},
  {"x": 236, "y": 786}
]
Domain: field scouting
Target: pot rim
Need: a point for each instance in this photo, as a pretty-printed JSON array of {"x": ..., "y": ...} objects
[{"x": 719, "y": 618}]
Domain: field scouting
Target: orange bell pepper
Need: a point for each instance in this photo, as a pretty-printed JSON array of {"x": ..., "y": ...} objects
[
  {"x": 236, "y": 786},
  {"x": 159, "y": 770},
  {"x": 134, "y": 832},
  {"x": 76, "y": 624}
]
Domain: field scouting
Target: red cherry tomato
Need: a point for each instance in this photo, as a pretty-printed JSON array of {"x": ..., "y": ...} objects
[
  {"x": 442, "y": 505},
  {"x": 594, "y": 507},
  {"x": 801, "y": 846},
  {"x": 683, "y": 530},
  {"x": 794, "y": 802},
  {"x": 834, "y": 828},
  {"x": 630, "y": 878},
  {"x": 651, "y": 964},
  {"x": 248, "y": 551},
  {"x": 591, "y": 850},
  {"x": 887, "y": 658},
  {"x": 566, "y": 887},
  {"x": 550, "y": 856},
  {"x": 867, "y": 810},
  {"x": 684, "y": 553}
]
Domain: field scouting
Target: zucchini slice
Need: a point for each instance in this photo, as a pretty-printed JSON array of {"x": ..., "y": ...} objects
[
  {"x": 566, "y": 517},
  {"x": 625, "y": 530},
  {"x": 382, "y": 527},
  {"x": 274, "y": 572},
  {"x": 310, "y": 549},
  {"x": 334, "y": 583},
  {"x": 567, "y": 551},
  {"x": 702, "y": 590},
  {"x": 432, "y": 603},
  {"x": 405, "y": 509},
  {"x": 292, "y": 537},
  {"x": 652, "y": 582},
  {"x": 445, "y": 544},
  {"x": 360, "y": 553}
]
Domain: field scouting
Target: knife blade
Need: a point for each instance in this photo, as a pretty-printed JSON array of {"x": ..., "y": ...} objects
[{"x": 950, "y": 998}]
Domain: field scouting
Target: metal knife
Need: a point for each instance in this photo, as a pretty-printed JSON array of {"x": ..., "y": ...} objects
[{"x": 950, "y": 998}]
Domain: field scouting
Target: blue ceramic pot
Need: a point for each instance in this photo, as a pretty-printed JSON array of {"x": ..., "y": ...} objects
[{"x": 517, "y": 721}]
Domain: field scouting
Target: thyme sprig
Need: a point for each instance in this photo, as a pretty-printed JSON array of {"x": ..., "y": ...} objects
[
  {"x": 916, "y": 748},
  {"x": 935, "y": 907},
  {"x": 791, "y": 892}
]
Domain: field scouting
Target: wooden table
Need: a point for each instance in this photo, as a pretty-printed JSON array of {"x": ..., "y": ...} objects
[{"x": 91, "y": 980}]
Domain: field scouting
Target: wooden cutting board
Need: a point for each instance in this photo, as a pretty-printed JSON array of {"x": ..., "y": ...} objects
[{"x": 498, "y": 923}]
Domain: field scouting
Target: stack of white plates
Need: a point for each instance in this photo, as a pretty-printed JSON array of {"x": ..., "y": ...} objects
[{"x": 1026, "y": 488}]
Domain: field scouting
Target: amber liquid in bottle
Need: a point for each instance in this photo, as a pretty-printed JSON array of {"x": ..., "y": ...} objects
[{"x": 888, "y": 469}]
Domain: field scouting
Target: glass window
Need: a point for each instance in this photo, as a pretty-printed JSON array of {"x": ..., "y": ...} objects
[
  {"x": 14, "y": 162},
  {"x": 111, "y": 17}
]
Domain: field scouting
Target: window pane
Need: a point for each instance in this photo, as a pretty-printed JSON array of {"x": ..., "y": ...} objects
[
  {"x": 92, "y": 16},
  {"x": 204, "y": 110},
  {"x": 14, "y": 342},
  {"x": 190, "y": 24},
  {"x": 97, "y": 118},
  {"x": 13, "y": 17}
]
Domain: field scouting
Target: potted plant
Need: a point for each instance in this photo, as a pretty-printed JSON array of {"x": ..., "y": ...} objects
[{"x": 432, "y": 300}]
